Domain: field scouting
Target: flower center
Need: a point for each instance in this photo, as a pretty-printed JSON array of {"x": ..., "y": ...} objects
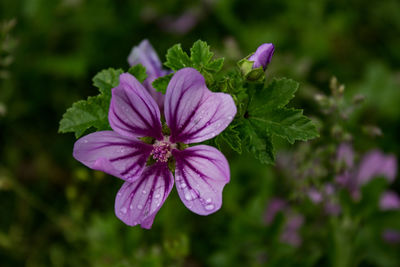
[{"x": 162, "y": 150}]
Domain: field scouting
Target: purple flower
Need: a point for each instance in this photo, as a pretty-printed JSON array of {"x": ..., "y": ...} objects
[
  {"x": 389, "y": 201},
  {"x": 314, "y": 195},
  {"x": 391, "y": 236},
  {"x": 144, "y": 54},
  {"x": 290, "y": 234},
  {"x": 345, "y": 154},
  {"x": 375, "y": 163},
  {"x": 181, "y": 24},
  {"x": 262, "y": 56},
  {"x": 275, "y": 205},
  {"x": 193, "y": 114}
]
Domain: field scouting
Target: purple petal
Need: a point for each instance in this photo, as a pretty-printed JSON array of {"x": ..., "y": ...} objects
[
  {"x": 145, "y": 54},
  {"x": 374, "y": 164},
  {"x": 139, "y": 202},
  {"x": 133, "y": 112},
  {"x": 345, "y": 153},
  {"x": 193, "y": 113},
  {"x": 389, "y": 201},
  {"x": 201, "y": 174},
  {"x": 112, "y": 153},
  {"x": 262, "y": 56}
]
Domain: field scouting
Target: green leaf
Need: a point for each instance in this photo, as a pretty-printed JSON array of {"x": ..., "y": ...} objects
[
  {"x": 276, "y": 95},
  {"x": 215, "y": 65},
  {"x": 257, "y": 141},
  {"x": 290, "y": 124},
  {"x": 139, "y": 72},
  {"x": 177, "y": 58},
  {"x": 231, "y": 136},
  {"x": 161, "y": 84},
  {"x": 84, "y": 114},
  {"x": 200, "y": 54},
  {"x": 107, "y": 79}
]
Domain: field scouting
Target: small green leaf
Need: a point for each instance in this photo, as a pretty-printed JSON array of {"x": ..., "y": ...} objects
[
  {"x": 277, "y": 94},
  {"x": 177, "y": 58},
  {"x": 84, "y": 114},
  {"x": 139, "y": 72},
  {"x": 257, "y": 141},
  {"x": 200, "y": 54},
  {"x": 161, "y": 84},
  {"x": 107, "y": 79},
  {"x": 290, "y": 124},
  {"x": 231, "y": 136},
  {"x": 215, "y": 65}
]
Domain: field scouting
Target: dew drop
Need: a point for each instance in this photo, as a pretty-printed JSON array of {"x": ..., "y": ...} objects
[
  {"x": 208, "y": 200},
  {"x": 209, "y": 207},
  {"x": 183, "y": 185},
  {"x": 157, "y": 196},
  {"x": 229, "y": 117},
  {"x": 144, "y": 192},
  {"x": 188, "y": 196},
  {"x": 85, "y": 141},
  {"x": 124, "y": 210},
  {"x": 139, "y": 206}
]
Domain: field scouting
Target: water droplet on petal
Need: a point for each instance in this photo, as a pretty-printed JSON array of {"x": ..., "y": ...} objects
[
  {"x": 209, "y": 207},
  {"x": 229, "y": 117},
  {"x": 124, "y": 210},
  {"x": 131, "y": 207},
  {"x": 144, "y": 192},
  {"x": 188, "y": 196},
  {"x": 157, "y": 196},
  {"x": 183, "y": 185},
  {"x": 139, "y": 206},
  {"x": 208, "y": 200}
]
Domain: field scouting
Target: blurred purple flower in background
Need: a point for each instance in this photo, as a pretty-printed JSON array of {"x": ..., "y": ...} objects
[
  {"x": 275, "y": 205},
  {"x": 181, "y": 24},
  {"x": 145, "y": 54},
  {"x": 389, "y": 201},
  {"x": 263, "y": 55},
  {"x": 290, "y": 234},
  {"x": 194, "y": 114},
  {"x": 293, "y": 221},
  {"x": 391, "y": 236},
  {"x": 373, "y": 164}
]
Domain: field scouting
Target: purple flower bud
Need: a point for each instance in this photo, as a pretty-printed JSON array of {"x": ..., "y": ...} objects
[
  {"x": 391, "y": 236},
  {"x": 389, "y": 201},
  {"x": 262, "y": 56}
]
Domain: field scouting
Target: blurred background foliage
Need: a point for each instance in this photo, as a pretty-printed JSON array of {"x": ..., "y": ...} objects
[{"x": 56, "y": 212}]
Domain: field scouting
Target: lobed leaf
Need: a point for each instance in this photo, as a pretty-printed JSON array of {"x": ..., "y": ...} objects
[
  {"x": 85, "y": 114},
  {"x": 107, "y": 79},
  {"x": 139, "y": 72},
  {"x": 161, "y": 84},
  {"x": 177, "y": 58}
]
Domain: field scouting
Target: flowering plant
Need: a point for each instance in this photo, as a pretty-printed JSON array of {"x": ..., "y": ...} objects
[{"x": 147, "y": 117}]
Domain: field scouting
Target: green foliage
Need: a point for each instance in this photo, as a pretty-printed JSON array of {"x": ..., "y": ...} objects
[
  {"x": 267, "y": 116},
  {"x": 139, "y": 72},
  {"x": 85, "y": 114},
  {"x": 93, "y": 112},
  {"x": 200, "y": 59},
  {"x": 161, "y": 84},
  {"x": 231, "y": 136},
  {"x": 107, "y": 79}
]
